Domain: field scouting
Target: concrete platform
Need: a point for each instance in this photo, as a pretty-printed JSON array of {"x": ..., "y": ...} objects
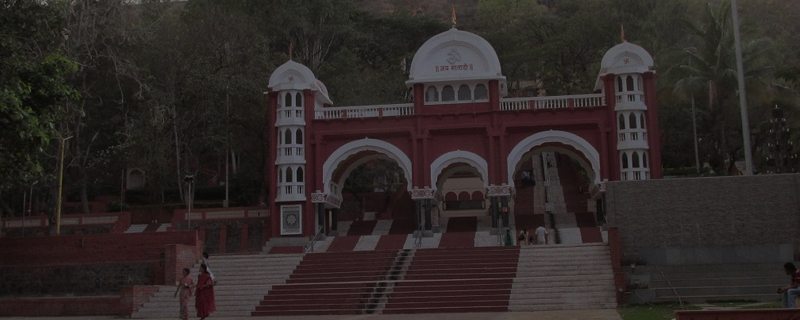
[{"x": 605, "y": 314}]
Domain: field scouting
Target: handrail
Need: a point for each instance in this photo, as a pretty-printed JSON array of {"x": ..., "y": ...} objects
[{"x": 310, "y": 246}]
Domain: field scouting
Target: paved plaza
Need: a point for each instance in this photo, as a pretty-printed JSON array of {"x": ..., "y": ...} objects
[{"x": 602, "y": 314}]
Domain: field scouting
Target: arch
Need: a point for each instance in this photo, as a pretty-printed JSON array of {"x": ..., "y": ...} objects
[
  {"x": 629, "y": 84},
  {"x": 619, "y": 84},
  {"x": 644, "y": 158},
  {"x": 289, "y": 174},
  {"x": 298, "y": 138},
  {"x": 477, "y": 195},
  {"x": 451, "y": 196},
  {"x": 635, "y": 160},
  {"x": 298, "y": 100},
  {"x": 624, "y": 160},
  {"x": 431, "y": 94},
  {"x": 641, "y": 121},
  {"x": 342, "y": 153},
  {"x": 448, "y": 94},
  {"x": 632, "y": 119},
  {"x": 459, "y": 156},
  {"x": 621, "y": 121},
  {"x": 464, "y": 93},
  {"x": 287, "y": 137},
  {"x": 299, "y": 174},
  {"x": 481, "y": 93},
  {"x": 287, "y": 99},
  {"x": 473, "y": 56},
  {"x": 463, "y": 196},
  {"x": 563, "y": 137}
]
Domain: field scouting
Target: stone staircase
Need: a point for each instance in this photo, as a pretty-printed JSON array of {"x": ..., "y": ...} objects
[
  {"x": 563, "y": 277},
  {"x": 242, "y": 281}
]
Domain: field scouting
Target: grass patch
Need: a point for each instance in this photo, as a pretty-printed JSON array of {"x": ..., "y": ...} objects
[{"x": 652, "y": 311}]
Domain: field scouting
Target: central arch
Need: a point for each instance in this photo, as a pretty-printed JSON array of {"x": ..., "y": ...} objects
[
  {"x": 555, "y": 136},
  {"x": 342, "y": 153},
  {"x": 459, "y": 156}
]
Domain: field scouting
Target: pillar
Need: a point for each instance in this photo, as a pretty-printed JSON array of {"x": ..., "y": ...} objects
[
  {"x": 504, "y": 209},
  {"x": 223, "y": 239},
  {"x": 428, "y": 215},
  {"x": 244, "y": 244},
  {"x": 334, "y": 222},
  {"x": 493, "y": 205}
]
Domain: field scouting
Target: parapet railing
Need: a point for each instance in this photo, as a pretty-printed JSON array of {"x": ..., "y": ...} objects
[
  {"x": 387, "y": 110},
  {"x": 310, "y": 245},
  {"x": 554, "y": 102}
]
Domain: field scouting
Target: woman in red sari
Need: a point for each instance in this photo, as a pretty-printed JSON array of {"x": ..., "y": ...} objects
[
  {"x": 185, "y": 289},
  {"x": 204, "y": 295}
]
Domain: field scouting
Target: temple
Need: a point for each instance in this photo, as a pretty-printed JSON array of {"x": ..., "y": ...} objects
[{"x": 463, "y": 146}]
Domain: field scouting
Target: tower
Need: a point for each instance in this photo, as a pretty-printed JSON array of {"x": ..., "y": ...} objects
[
  {"x": 628, "y": 83},
  {"x": 294, "y": 94}
]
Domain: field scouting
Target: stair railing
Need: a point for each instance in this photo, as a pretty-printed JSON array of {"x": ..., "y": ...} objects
[
  {"x": 418, "y": 240},
  {"x": 310, "y": 245}
]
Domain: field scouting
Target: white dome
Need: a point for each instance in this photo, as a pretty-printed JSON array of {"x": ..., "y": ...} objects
[
  {"x": 625, "y": 57},
  {"x": 455, "y": 55},
  {"x": 294, "y": 76}
]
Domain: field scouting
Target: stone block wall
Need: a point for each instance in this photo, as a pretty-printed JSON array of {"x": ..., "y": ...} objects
[
  {"x": 79, "y": 280},
  {"x": 705, "y": 212}
]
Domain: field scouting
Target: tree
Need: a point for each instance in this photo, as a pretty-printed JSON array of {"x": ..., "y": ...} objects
[
  {"x": 708, "y": 72},
  {"x": 33, "y": 86}
]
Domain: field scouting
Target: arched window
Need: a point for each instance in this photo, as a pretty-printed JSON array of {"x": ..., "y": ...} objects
[
  {"x": 287, "y": 100},
  {"x": 431, "y": 94},
  {"x": 287, "y": 137},
  {"x": 464, "y": 94},
  {"x": 629, "y": 83},
  {"x": 299, "y": 174},
  {"x": 463, "y": 196},
  {"x": 644, "y": 159},
  {"x": 280, "y": 175},
  {"x": 289, "y": 174},
  {"x": 624, "y": 160},
  {"x": 298, "y": 138},
  {"x": 450, "y": 196},
  {"x": 280, "y": 136},
  {"x": 639, "y": 82},
  {"x": 621, "y": 121},
  {"x": 641, "y": 121},
  {"x": 619, "y": 84},
  {"x": 448, "y": 94},
  {"x": 635, "y": 159},
  {"x": 477, "y": 195},
  {"x": 481, "y": 93},
  {"x": 298, "y": 100},
  {"x": 632, "y": 123}
]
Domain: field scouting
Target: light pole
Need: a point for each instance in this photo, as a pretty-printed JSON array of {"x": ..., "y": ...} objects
[
  {"x": 60, "y": 183},
  {"x": 748, "y": 154},
  {"x": 189, "y": 179}
]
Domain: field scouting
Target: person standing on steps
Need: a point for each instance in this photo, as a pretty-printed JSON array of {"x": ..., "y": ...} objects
[
  {"x": 185, "y": 286},
  {"x": 208, "y": 267},
  {"x": 790, "y": 292},
  {"x": 541, "y": 235},
  {"x": 204, "y": 295},
  {"x": 509, "y": 238},
  {"x": 524, "y": 237}
]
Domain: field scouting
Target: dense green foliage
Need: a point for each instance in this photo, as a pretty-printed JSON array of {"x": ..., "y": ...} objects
[{"x": 175, "y": 88}]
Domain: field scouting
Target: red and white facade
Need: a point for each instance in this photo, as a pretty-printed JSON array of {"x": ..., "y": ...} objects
[{"x": 459, "y": 120}]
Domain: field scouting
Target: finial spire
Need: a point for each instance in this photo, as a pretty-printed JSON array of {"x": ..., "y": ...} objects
[
  {"x": 453, "y": 17},
  {"x": 622, "y": 32}
]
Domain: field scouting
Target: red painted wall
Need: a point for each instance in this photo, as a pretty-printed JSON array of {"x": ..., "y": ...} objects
[{"x": 72, "y": 306}]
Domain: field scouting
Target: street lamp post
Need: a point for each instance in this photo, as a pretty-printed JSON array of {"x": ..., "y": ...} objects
[
  {"x": 189, "y": 179},
  {"x": 748, "y": 154},
  {"x": 60, "y": 183}
]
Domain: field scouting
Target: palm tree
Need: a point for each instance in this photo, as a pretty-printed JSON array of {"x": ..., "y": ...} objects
[{"x": 707, "y": 72}]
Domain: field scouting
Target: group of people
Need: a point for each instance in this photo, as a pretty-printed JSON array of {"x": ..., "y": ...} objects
[
  {"x": 525, "y": 238},
  {"x": 203, "y": 291},
  {"x": 792, "y": 291}
]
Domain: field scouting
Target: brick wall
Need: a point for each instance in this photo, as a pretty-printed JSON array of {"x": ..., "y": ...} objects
[
  {"x": 770, "y": 314},
  {"x": 79, "y": 280},
  {"x": 67, "y": 306},
  {"x": 90, "y": 249},
  {"x": 178, "y": 257},
  {"x": 133, "y": 297},
  {"x": 705, "y": 212}
]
